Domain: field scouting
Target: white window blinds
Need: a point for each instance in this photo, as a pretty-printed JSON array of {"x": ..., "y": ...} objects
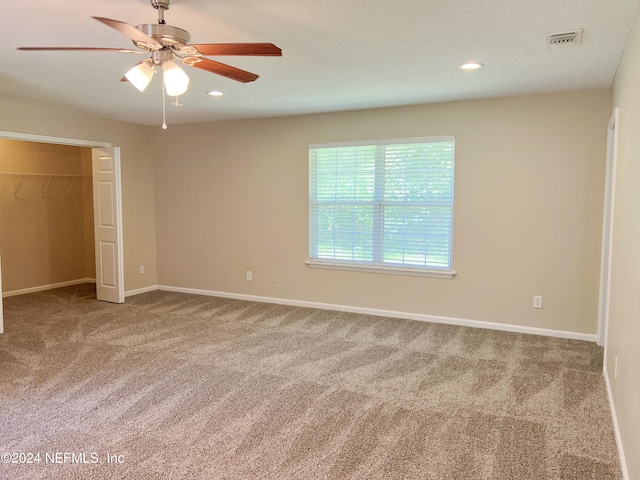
[{"x": 384, "y": 203}]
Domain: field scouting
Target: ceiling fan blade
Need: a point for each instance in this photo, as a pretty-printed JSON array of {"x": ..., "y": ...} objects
[
  {"x": 253, "y": 49},
  {"x": 87, "y": 49},
  {"x": 132, "y": 32},
  {"x": 223, "y": 69}
]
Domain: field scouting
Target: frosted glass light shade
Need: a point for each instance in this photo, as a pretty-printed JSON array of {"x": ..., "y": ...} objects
[
  {"x": 176, "y": 81},
  {"x": 140, "y": 76}
]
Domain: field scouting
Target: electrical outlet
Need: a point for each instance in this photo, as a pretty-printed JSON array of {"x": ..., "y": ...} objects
[
  {"x": 274, "y": 277},
  {"x": 249, "y": 275},
  {"x": 537, "y": 301},
  {"x": 141, "y": 268},
  {"x": 615, "y": 367}
]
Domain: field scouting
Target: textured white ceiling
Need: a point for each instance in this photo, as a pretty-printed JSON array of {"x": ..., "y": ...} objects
[{"x": 337, "y": 55}]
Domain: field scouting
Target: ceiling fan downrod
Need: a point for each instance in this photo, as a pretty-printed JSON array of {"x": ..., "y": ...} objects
[{"x": 161, "y": 6}]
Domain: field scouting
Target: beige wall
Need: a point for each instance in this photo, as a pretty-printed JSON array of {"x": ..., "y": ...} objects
[
  {"x": 137, "y": 172},
  {"x": 624, "y": 322},
  {"x": 233, "y": 196},
  {"x": 42, "y": 234}
]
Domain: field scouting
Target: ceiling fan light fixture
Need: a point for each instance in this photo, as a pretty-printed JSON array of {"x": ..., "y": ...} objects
[
  {"x": 140, "y": 76},
  {"x": 176, "y": 81}
]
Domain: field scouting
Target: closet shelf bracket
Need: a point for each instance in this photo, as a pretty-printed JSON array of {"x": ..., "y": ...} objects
[
  {"x": 46, "y": 185},
  {"x": 73, "y": 180},
  {"x": 17, "y": 189}
]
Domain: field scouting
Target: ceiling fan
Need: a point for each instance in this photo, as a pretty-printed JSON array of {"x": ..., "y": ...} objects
[{"x": 167, "y": 43}]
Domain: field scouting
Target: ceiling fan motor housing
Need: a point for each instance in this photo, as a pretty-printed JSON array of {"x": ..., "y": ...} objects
[{"x": 167, "y": 35}]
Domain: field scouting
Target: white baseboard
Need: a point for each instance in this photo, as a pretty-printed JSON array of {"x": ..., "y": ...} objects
[
  {"x": 138, "y": 291},
  {"x": 616, "y": 428},
  {"x": 390, "y": 313},
  {"x": 42, "y": 288}
]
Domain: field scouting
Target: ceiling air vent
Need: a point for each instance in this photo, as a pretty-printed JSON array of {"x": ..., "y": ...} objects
[{"x": 564, "y": 39}]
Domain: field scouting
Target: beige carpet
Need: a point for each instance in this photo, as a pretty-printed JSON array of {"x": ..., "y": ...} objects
[{"x": 180, "y": 386}]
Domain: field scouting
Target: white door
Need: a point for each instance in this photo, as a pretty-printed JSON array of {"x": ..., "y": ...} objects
[{"x": 107, "y": 210}]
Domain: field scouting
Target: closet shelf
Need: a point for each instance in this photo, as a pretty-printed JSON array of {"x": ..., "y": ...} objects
[{"x": 49, "y": 176}]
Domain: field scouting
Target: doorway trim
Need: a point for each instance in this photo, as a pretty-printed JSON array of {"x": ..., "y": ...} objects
[
  {"x": 607, "y": 229},
  {"x": 73, "y": 142}
]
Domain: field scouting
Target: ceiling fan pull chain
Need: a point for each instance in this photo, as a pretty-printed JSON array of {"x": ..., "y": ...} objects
[{"x": 164, "y": 110}]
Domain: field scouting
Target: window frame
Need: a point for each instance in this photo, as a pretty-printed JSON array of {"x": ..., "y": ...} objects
[{"x": 377, "y": 266}]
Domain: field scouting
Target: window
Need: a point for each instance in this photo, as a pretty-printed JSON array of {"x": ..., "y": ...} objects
[{"x": 383, "y": 205}]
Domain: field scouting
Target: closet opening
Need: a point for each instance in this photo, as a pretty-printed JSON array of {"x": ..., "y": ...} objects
[
  {"x": 46, "y": 216},
  {"x": 60, "y": 217}
]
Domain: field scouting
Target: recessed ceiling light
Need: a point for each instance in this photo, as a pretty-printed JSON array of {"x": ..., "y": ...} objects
[
  {"x": 215, "y": 93},
  {"x": 471, "y": 66}
]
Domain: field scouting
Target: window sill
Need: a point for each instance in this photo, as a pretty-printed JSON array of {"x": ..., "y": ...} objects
[{"x": 415, "y": 272}]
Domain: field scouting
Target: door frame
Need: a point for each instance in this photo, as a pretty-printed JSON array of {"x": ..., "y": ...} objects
[
  {"x": 607, "y": 228},
  {"x": 73, "y": 142}
]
